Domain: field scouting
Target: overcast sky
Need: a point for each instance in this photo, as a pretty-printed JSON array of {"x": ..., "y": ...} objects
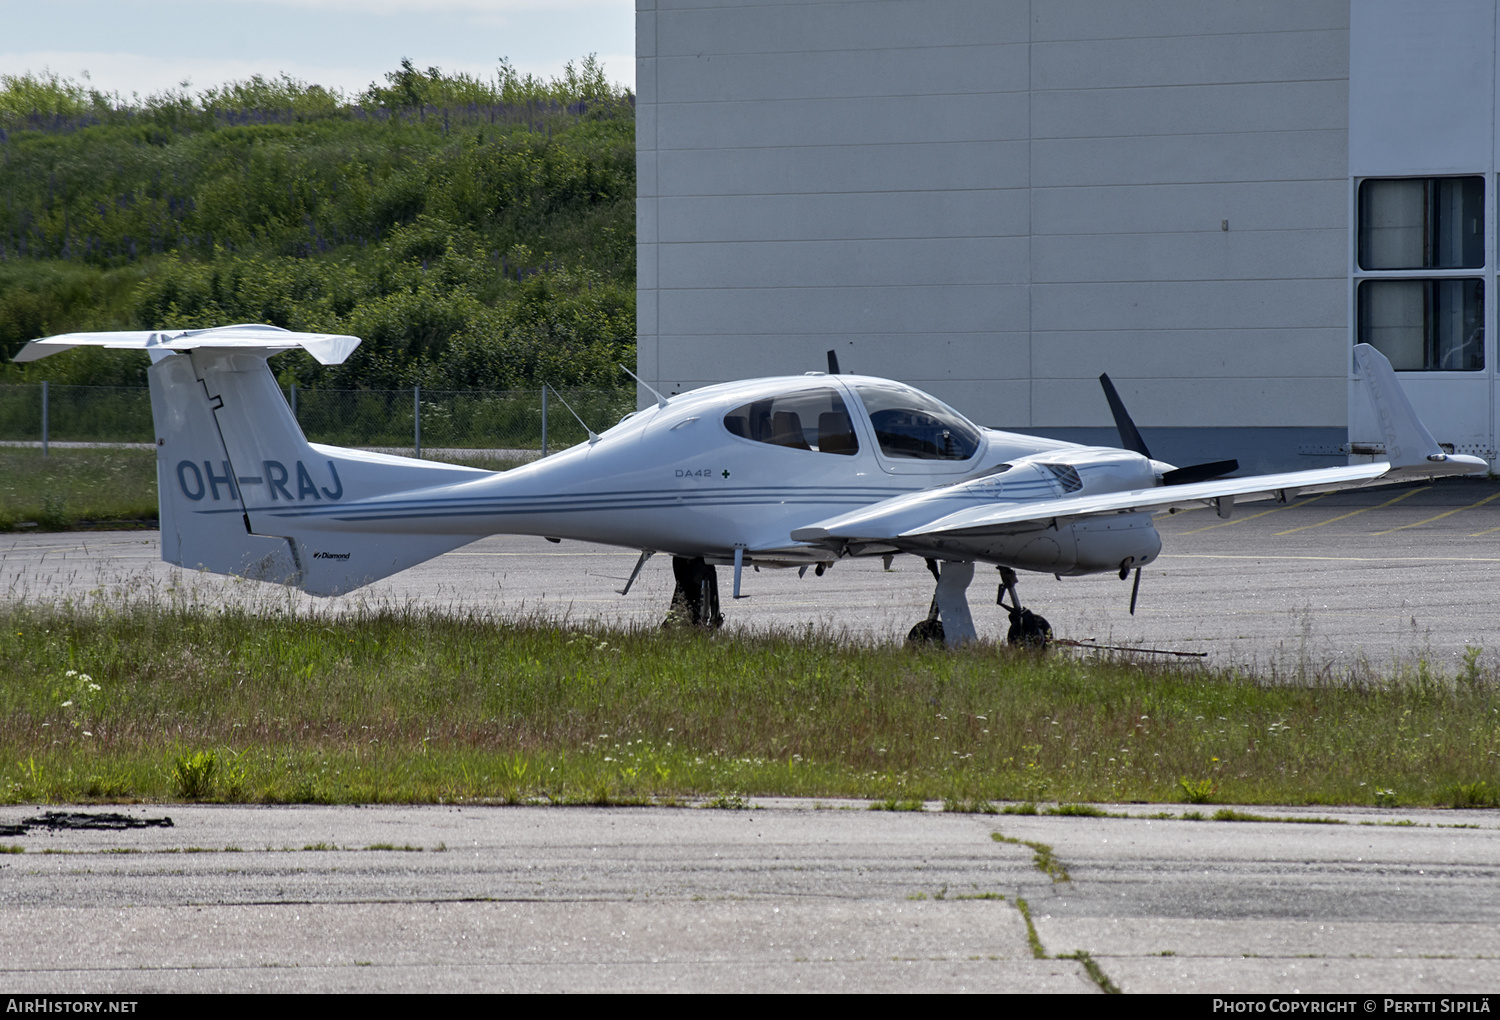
[{"x": 145, "y": 46}]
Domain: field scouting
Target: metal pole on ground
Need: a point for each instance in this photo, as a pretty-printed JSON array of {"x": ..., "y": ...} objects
[
  {"x": 544, "y": 419},
  {"x": 294, "y": 401},
  {"x": 44, "y": 420},
  {"x": 416, "y": 417}
]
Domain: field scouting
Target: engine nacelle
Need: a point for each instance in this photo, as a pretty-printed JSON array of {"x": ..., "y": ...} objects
[
  {"x": 1087, "y": 546},
  {"x": 1121, "y": 541}
]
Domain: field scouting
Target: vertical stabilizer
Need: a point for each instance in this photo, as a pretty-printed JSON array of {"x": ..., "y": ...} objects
[
  {"x": 1407, "y": 441},
  {"x": 204, "y": 524}
]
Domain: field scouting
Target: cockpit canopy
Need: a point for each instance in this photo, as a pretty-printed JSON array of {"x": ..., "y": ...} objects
[
  {"x": 910, "y": 424},
  {"x": 814, "y": 419},
  {"x": 907, "y": 423}
]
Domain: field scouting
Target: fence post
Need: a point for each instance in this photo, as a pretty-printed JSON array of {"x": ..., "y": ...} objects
[
  {"x": 294, "y": 401},
  {"x": 544, "y": 419},
  {"x": 416, "y": 417},
  {"x": 44, "y": 419}
]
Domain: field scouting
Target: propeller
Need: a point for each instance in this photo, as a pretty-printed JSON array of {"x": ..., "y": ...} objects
[
  {"x": 1130, "y": 439},
  {"x": 1130, "y": 436}
]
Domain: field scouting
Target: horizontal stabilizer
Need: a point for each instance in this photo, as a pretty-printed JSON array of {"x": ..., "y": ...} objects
[{"x": 327, "y": 348}]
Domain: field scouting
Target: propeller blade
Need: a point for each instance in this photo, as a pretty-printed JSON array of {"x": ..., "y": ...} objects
[
  {"x": 1135, "y": 590},
  {"x": 1200, "y": 472},
  {"x": 1130, "y": 436},
  {"x": 833, "y": 362}
]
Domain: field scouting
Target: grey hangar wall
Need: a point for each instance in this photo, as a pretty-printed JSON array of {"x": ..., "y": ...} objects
[{"x": 997, "y": 201}]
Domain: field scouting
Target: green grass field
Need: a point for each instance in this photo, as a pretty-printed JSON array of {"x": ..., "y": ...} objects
[
  {"x": 154, "y": 697},
  {"x": 73, "y": 488}
]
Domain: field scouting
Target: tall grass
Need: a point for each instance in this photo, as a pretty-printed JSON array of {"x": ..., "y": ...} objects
[{"x": 408, "y": 704}]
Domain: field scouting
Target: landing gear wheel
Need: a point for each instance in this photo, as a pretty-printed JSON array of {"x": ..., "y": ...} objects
[
  {"x": 927, "y": 632},
  {"x": 1026, "y": 627},
  {"x": 1029, "y": 629}
]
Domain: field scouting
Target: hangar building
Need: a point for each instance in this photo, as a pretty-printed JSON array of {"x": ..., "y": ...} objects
[{"x": 997, "y": 200}]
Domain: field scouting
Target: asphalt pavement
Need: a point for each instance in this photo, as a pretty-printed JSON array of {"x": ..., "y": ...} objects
[{"x": 782, "y": 896}]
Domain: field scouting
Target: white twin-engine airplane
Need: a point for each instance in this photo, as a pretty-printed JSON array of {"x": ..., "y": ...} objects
[{"x": 791, "y": 471}]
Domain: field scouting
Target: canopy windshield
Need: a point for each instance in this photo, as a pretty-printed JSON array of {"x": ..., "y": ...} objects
[
  {"x": 815, "y": 420},
  {"x": 909, "y": 424}
]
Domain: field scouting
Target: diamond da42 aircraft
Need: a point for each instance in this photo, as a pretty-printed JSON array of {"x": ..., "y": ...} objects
[{"x": 792, "y": 471}]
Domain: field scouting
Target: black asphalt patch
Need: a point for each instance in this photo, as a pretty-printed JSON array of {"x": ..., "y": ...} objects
[{"x": 109, "y": 821}]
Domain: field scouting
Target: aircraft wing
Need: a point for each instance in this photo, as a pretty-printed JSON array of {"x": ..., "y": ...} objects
[
  {"x": 933, "y": 512},
  {"x": 327, "y": 348},
  {"x": 939, "y": 513}
]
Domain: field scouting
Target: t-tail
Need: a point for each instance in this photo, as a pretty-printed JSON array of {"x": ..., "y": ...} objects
[{"x": 236, "y": 478}]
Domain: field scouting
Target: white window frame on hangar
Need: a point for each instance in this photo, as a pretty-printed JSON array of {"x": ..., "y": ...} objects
[{"x": 997, "y": 200}]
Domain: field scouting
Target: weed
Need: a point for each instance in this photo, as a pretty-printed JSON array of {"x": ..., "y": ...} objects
[
  {"x": 729, "y": 802},
  {"x": 1042, "y": 857},
  {"x": 1477, "y": 794},
  {"x": 1031, "y": 936},
  {"x": 1095, "y": 972},
  {"x": 1080, "y": 810},
  {"x": 969, "y": 807},
  {"x": 193, "y": 773},
  {"x": 1231, "y": 815},
  {"x": 1019, "y": 809},
  {"x": 12, "y": 849},
  {"x": 896, "y": 804},
  {"x": 405, "y": 847},
  {"x": 1199, "y": 791},
  {"x": 1471, "y": 673}
]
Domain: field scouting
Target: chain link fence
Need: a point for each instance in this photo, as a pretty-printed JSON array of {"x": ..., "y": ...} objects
[{"x": 514, "y": 423}]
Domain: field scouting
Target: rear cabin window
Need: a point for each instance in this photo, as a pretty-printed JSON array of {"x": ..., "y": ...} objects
[
  {"x": 813, "y": 420},
  {"x": 911, "y": 425}
]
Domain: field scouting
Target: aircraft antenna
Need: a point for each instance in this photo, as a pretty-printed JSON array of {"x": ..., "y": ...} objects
[
  {"x": 661, "y": 401},
  {"x": 593, "y": 436}
]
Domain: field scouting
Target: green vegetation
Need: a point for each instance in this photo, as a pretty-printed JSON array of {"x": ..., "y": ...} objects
[
  {"x": 1046, "y": 862},
  {"x": 76, "y": 488},
  {"x": 119, "y": 695},
  {"x": 476, "y": 234}
]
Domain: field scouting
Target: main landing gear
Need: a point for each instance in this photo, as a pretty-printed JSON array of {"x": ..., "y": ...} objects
[
  {"x": 695, "y": 601},
  {"x": 950, "y": 622}
]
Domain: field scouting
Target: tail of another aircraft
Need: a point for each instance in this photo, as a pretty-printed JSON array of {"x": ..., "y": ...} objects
[
  {"x": 1408, "y": 445},
  {"x": 240, "y": 489}
]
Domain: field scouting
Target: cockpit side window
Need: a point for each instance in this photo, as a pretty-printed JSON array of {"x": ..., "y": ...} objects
[
  {"x": 814, "y": 420},
  {"x": 911, "y": 425}
]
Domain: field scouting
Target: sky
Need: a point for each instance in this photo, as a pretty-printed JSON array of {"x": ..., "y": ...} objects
[{"x": 145, "y": 46}]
